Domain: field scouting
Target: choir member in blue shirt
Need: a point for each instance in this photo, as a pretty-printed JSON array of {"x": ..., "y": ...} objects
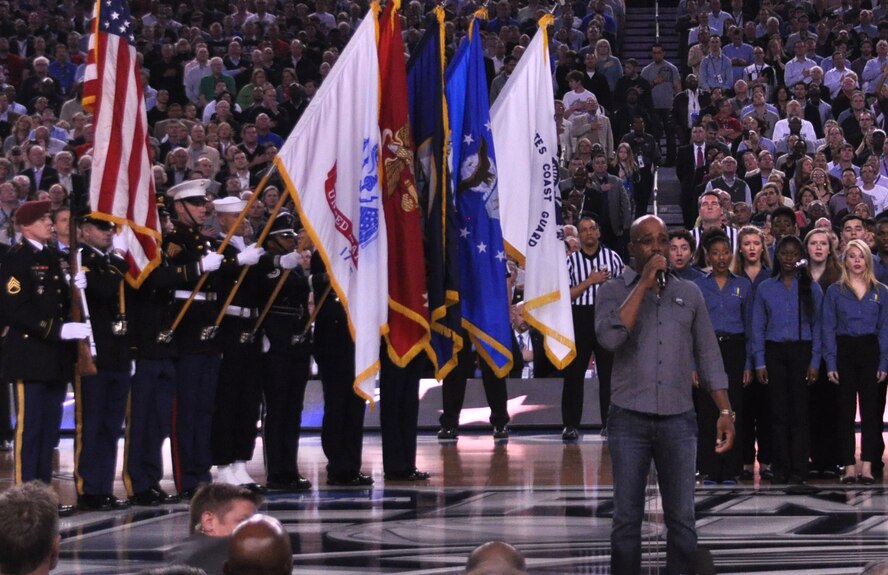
[
  {"x": 752, "y": 261},
  {"x": 825, "y": 269},
  {"x": 855, "y": 347},
  {"x": 729, "y": 303},
  {"x": 786, "y": 351}
]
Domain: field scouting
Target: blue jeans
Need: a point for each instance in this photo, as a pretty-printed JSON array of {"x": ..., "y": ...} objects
[{"x": 634, "y": 440}]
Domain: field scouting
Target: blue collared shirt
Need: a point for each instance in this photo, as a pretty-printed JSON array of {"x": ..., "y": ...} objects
[
  {"x": 844, "y": 314},
  {"x": 730, "y": 308},
  {"x": 776, "y": 315}
]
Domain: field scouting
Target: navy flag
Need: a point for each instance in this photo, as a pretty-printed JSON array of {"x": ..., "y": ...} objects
[
  {"x": 428, "y": 117},
  {"x": 482, "y": 257}
]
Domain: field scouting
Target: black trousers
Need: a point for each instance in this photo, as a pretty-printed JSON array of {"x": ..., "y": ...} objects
[
  {"x": 38, "y": 407},
  {"x": 238, "y": 395},
  {"x": 5, "y": 412},
  {"x": 152, "y": 392},
  {"x": 823, "y": 399},
  {"x": 342, "y": 430},
  {"x": 575, "y": 373},
  {"x": 100, "y": 409},
  {"x": 663, "y": 126},
  {"x": 725, "y": 465},
  {"x": 196, "y": 378},
  {"x": 454, "y": 389},
  {"x": 398, "y": 412},
  {"x": 284, "y": 389},
  {"x": 787, "y": 364},
  {"x": 756, "y": 423},
  {"x": 857, "y": 360}
]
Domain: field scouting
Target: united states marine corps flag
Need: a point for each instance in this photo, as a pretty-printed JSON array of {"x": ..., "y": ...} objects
[
  {"x": 121, "y": 188},
  {"x": 330, "y": 163},
  {"x": 428, "y": 118},
  {"x": 530, "y": 199},
  {"x": 408, "y": 316}
]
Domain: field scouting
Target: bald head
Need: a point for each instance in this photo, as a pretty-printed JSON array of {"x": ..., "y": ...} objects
[
  {"x": 495, "y": 558},
  {"x": 259, "y": 546}
]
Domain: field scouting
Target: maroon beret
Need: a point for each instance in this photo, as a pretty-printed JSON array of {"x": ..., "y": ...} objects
[{"x": 30, "y": 212}]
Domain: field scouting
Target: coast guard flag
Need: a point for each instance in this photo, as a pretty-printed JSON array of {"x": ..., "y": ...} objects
[
  {"x": 121, "y": 188},
  {"x": 330, "y": 164},
  {"x": 428, "y": 119},
  {"x": 530, "y": 200},
  {"x": 482, "y": 257}
]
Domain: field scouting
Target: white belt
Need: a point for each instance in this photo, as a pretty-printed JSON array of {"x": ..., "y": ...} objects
[
  {"x": 237, "y": 311},
  {"x": 199, "y": 296}
]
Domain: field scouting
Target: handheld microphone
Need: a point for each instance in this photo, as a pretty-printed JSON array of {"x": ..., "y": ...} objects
[
  {"x": 661, "y": 279},
  {"x": 802, "y": 263}
]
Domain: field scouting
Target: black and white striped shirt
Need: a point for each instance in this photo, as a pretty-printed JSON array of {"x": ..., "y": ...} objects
[
  {"x": 580, "y": 265},
  {"x": 729, "y": 231}
]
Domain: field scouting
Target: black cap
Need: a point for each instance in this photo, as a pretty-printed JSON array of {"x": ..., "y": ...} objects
[
  {"x": 85, "y": 216},
  {"x": 282, "y": 226}
]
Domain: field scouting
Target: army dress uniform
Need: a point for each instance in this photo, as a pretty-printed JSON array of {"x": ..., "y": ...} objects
[
  {"x": 100, "y": 399},
  {"x": 35, "y": 300},
  {"x": 288, "y": 363}
]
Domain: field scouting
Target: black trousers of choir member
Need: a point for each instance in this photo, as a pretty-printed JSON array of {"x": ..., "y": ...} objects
[
  {"x": 756, "y": 423},
  {"x": 722, "y": 466},
  {"x": 152, "y": 391},
  {"x": 284, "y": 387},
  {"x": 454, "y": 389},
  {"x": 196, "y": 379},
  {"x": 342, "y": 430},
  {"x": 100, "y": 409},
  {"x": 398, "y": 412},
  {"x": 857, "y": 360},
  {"x": 575, "y": 373},
  {"x": 823, "y": 401},
  {"x": 38, "y": 406},
  {"x": 238, "y": 394},
  {"x": 787, "y": 364}
]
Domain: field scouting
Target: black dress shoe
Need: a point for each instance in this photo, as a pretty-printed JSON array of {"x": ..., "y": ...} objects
[
  {"x": 147, "y": 498},
  {"x": 66, "y": 510},
  {"x": 289, "y": 485},
  {"x": 746, "y": 475},
  {"x": 866, "y": 480},
  {"x": 412, "y": 475},
  {"x": 500, "y": 434},
  {"x": 447, "y": 434},
  {"x": 570, "y": 434},
  {"x": 165, "y": 498},
  {"x": 357, "y": 480},
  {"x": 187, "y": 494},
  {"x": 255, "y": 488},
  {"x": 5, "y": 445},
  {"x": 93, "y": 503},
  {"x": 117, "y": 503}
]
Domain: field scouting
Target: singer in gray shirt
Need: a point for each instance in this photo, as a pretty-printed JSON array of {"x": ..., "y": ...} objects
[{"x": 658, "y": 329}]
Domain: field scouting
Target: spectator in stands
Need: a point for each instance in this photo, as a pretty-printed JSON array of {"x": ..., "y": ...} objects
[
  {"x": 594, "y": 81},
  {"x": 665, "y": 83},
  {"x": 716, "y": 70}
]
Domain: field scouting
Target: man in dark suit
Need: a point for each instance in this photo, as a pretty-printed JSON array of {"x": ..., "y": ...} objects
[
  {"x": 74, "y": 183},
  {"x": 40, "y": 174},
  {"x": 687, "y": 105},
  {"x": 690, "y": 164}
]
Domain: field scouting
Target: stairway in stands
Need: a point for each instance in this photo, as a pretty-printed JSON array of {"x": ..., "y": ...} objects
[{"x": 639, "y": 34}]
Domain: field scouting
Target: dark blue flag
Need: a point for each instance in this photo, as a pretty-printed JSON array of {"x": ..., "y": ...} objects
[
  {"x": 425, "y": 84},
  {"x": 482, "y": 257}
]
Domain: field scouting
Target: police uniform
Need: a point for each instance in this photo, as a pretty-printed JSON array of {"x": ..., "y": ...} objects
[
  {"x": 197, "y": 367},
  {"x": 342, "y": 431},
  {"x": 100, "y": 399},
  {"x": 287, "y": 362},
  {"x": 35, "y": 300},
  {"x": 238, "y": 397}
]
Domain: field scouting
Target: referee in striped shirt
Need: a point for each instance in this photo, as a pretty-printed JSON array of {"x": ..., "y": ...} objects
[{"x": 589, "y": 267}]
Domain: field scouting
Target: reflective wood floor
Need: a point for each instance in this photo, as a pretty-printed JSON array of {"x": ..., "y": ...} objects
[{"x": 553, "y": 501}]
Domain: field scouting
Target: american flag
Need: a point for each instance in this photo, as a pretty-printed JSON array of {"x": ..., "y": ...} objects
[{"x": 122, "y": 183}]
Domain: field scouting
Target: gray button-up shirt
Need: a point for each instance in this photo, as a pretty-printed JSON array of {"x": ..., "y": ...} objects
[{"x": 653, "y": 362}]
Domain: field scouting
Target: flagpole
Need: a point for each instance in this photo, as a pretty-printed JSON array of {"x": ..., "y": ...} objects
[
  {"x": 203, "y": 278},
  {"x": 277, "y": 289},
  {"x": 244, "y": 269}
]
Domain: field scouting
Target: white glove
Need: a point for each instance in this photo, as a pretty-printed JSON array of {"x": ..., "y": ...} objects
[
  {"x": 80, "y": 280},
  {"x": 211, "y": 262},
  {"x": 291, "y": 260},
  {"x": 250, "y": 256},
  {"x": 119, "y": 243},
  {"x": 76, "y": 330}
]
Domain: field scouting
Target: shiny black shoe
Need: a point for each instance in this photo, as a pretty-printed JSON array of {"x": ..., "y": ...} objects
[
  {"x": 165, "y": 498},
  {"x": 570, "y": 435},
  {"x": 447, "y": 434},
  {"x": 500, "y": 434},
  {"x": 255, "y": 488},
  {"x": 147, "y": 498},
  {"x": 5, "y": 445},
  {"x": 289, "y": 485},
  {"x": 66, "y": 510},
  {"x": 747, "y": 475},
  {"x": 413, "y": 475},
  {"x": 117, "y": 504},
  {"x": 93, "y": 503},
  {"x": 187, "y": 494},
  {"x": 357, "y": 480}
]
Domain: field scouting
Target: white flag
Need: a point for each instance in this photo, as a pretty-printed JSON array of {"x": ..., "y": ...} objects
[
  {"x": 523, "y": 125},
  {"x": 330, "y": 163}
]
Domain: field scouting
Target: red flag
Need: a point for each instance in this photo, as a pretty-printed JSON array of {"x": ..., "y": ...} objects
[
  {"x": 408, "y": 299},
  {"x": 122, "y": 184}
]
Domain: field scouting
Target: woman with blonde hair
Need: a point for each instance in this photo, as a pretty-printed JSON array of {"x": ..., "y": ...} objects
[
  {"x": 855, "y": 343},
  {"x": 624, "y": 166}
]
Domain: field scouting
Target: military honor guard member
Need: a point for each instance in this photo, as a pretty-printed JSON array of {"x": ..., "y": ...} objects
[{"x": 37, "y": 353}]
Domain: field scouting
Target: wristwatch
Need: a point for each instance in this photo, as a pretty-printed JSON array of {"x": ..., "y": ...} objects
[{"x": 730, "y": 412}]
